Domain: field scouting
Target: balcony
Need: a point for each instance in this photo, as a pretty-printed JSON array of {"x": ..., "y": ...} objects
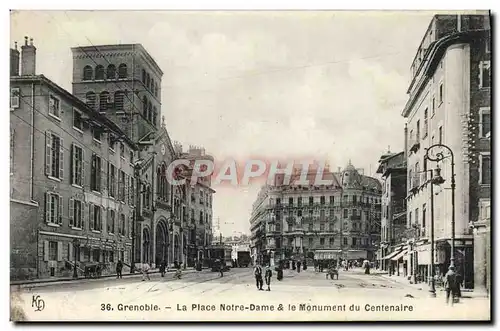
[
  {"x": 414, "y": 183},
  {"x": 415, "y": 145}
]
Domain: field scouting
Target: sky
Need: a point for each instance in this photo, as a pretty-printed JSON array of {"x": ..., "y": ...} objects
[{"x": 327, "y": 85}]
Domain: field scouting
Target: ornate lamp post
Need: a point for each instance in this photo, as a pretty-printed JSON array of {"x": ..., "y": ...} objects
[{"x": 436, "y": 153}]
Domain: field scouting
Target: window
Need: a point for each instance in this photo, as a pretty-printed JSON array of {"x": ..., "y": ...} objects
[
  {"x": 147, "y": 80},
  {"x": 332, "y": 199},
  {"x": 354, "y": 199},
  {"x": 299, "y": 213},
  {"x": 485, "y": 169},
  {"x": 96, "y": 254},
  {"x": 77, "y": 168},
  {"x": 299, "y": 201},
  {"x": 53, "y": 251},
  {"x": 77, "y": 120},
  {"x": 76, "y": 213},
  {"x": 484, "y": 74},
  {"x": 122, "y": 71},
  {"x": 311, "y": 201},
  {"x": 155, "y": 114},
  {"x": 54, "y": 106},
  {"x": 354, "y": 241},
  {"x": 322, "y": 241},
  {"x": 122, "y": 225},
  {"x": 111, "y": 72},
  {"x": 484, "y": 122},
  {"x": 145, "y": 107},
  {"x": 12, "y": 147},
  {"x": 426, "y": 123},
  {"x": 103, "y": 101},
  {"x": 95, "y": 176},
  {"x": 441, "y": 93},
  {"x": 150, "y": 112},
  {"x": 322, "y": 200},
  {"x": 440, "y": 134},
  {"x": 121, "y": 186},
  {"x": 131, "y": 157},
  {"x": 112, "y": 180},
  {"x": 119, "y": 100},
  {"x": 54, "y": 156},
  {"x": 310, "y": 241},
  {"x": 90, "y": 99},
  {"x": 99, "y": 72},
  {"x": 144, "y": 76},
  {"x": 346, "y": 213},
  {"x": 53, "y": 208},
  {"x": 201, "y": 217},
  {"x": 345, "y": 241},
  {"x": 424, "y": 211},
  {"x": 278, "y": 201},
  {"x": 417, "y": 134},
  {"x": 433, "y": 105},
  {"x": 322, "y": 227},
  {"x": 87, "y": 73},
  {"x": 156, "y": 89},
  {"x": 96, "y": 134},
  {"x": 311, "y": 227},
  {"x": 95, "y": 218},
  {"x": 331, "y": 241},
  {"x": 14, "y": 98},
  {"x": 111, "y": 221},
  {"x": 122, "y": 150}
]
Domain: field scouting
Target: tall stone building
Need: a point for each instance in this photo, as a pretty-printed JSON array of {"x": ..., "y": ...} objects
[
  {"x": 326, "y": 222},
  {"x": 71, "y": 178},
  {"x": 449, "y": 103}
]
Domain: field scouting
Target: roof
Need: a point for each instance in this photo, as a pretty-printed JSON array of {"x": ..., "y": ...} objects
[{"x": 77, "y": 102}]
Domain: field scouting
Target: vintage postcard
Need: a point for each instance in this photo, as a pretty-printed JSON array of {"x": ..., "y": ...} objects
[{"x": 250, "y": 165}]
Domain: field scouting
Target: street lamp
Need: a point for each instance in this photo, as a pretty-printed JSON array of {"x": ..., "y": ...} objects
[{"x": 438, "y": 180}]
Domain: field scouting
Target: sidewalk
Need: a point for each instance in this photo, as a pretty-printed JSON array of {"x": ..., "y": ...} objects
[{"x": 70, "y": 280}]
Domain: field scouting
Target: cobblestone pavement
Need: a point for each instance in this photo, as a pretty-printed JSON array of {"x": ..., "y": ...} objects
[{"x": 204, "y": 295}]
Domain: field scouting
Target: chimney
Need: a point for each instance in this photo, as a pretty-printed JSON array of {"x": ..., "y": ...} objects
[
  {"x": 28, "y": 58},
  {"x": 14, "y": 61}
]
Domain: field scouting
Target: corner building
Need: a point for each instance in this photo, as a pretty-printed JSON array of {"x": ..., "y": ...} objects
[
  {"x": 449, "y": 103},
  {"x": 341, "y": 220}
]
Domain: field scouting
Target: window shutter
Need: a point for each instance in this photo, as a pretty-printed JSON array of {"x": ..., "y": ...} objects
[
  {"x": 91, "y": 216},
  {"x": 72, "y": 164},
  {"x": 104, "y": 167},
  {"x": 61, "y": 158},
  {"x": 85, "y": 214},
  {"x": 59, "y": 251},
  {"x": 45, "y": 250},
  {"x": 104, "y": 220},
  {"x": 71, "y": 255},
  {"x": 59, "y": 220},
  {"x": 108, "y": 220},
  {"x": 48, "y": 154},
  {"x": 71, "y": 212},
  {"x": 47, "y": 207}
]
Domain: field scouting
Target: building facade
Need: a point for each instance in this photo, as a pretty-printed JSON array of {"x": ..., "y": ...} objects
[
  {"x": 449, "y": 103},
  {"x": 293, "y": 221},
  {"x": 71, "y": 178},
  {"x": 392, "y": 168}
]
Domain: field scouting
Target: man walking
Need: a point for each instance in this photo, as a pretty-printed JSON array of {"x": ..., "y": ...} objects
[
  {"x": 258, "y": 277},
  {"x": 298, "y": 266},
  {"x": 145, "y": 271},
  {"x": 119, "y": 268},
  {"x": 268, "y": 275},
  {"x": 163, "y": 267},
  {"x": 450, "y": 285}
]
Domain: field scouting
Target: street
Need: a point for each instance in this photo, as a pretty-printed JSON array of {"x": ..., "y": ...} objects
[{"x": 202, "y": 296}]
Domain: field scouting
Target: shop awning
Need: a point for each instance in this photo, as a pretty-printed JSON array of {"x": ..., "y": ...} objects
[
  {"x": 399, "y": 255},
  {"x": 390, "y": 255}
]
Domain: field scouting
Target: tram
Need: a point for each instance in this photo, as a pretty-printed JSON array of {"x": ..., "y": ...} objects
[{"x": 219, "y": 252}]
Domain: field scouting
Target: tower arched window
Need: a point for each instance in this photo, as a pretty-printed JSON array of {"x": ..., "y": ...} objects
[
  {"x": 103, "y": 101},
  {"x": 90, "y": 99},
  {"x": 144, "y": 76},
  {"x": 165, "y": 182},
  {"x": 87, "y": 73},
  {"x": 154, "y": 116},
  {"x": 119, "y": 100},
  {"x": 150, "y": 111},
  {"x": 111, "y": 72},
  {"x": 145, "y": 107},
  {"x": 122, "y": 71},
  {"x": 158, "y": 184},
  {"x": 147, "y": 80},
  {"x": 99, "y": 72}
]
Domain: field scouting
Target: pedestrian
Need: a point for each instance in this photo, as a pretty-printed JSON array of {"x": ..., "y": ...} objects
[
  {"x": 221, "y": 268},
  {"x": 279, "y": 275},
  {"x": 293, "y": 265},
  {"x": 268, "y": 275},
  {"x": 258, "y": 277},
  {"x": 145, "y": 271},
  {"x": 163, "y": 267},
  {"x": 119, "y": 268},
  {"x": 450, "y": 285},
  {"x": 298, "y": 266}
]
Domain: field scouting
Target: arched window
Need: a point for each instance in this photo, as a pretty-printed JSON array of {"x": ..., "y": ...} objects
[
  {"x": 159, "y": 183},
  {"x": 90, "y": 99},
  {"x": 99, "y": 72},
  {"x": 87, "y": 73},
  {"x": 152, "y": 84},
  {"x": 145, "y": 107},
  {"x": 154, "y": 116},
  {"x": 147, "y": 80},
  {"x": 119, "y": 100},
  {"x": 103, "y": 101},
  {"x": 144, "y": 76},
  {"x": 150, "y": 112},
  {"x": 111, "y": 72},
  {"x": 122, "y": 71}
]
